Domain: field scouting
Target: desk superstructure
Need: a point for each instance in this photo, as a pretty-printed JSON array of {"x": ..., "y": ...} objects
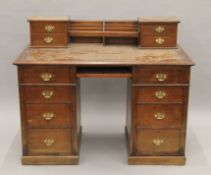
[{"x": 157, "y": 99}]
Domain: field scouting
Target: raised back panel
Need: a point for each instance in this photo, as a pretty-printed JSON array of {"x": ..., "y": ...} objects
[{"x": 86, "y": 26}]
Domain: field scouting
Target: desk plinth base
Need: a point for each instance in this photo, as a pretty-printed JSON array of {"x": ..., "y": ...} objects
[
  {"x": 156, "y": 160},
  {"x": 50, "y": 160}
]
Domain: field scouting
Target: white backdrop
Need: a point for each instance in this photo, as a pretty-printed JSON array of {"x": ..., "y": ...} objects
[{"x": 103, "y": 100}]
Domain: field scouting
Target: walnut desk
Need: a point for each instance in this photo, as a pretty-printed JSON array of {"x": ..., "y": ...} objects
[
  {"x": 158, "y": 86},
  {"x": 62, "y": 51}
]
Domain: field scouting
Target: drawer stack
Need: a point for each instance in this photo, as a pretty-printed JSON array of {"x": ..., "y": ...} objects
[
  {"x": 158, "y": 32},
  {"x": 159, "y": 103},
  {"x": 49, "y": 31},
  {"x": 48, "y": 114}
]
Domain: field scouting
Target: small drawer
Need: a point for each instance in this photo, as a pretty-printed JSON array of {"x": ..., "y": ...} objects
[
  {"x": 160, "y": 94},
  {"x": 159, "y": 116},
  {"x": 49, "y": 141},
  {"x": 159, "y": 41},
  {"x": 159, "y": 29},
  {"x": 46, "y": 40},
  {"x": 48, "y": 115},
  {"x": 48, "y": 94},
  {"x": 47, "y": 74},
  {"x": 161, "y": 74},
  {"x": 49, "y": 27},
  {"x": 158, "y": 142}
]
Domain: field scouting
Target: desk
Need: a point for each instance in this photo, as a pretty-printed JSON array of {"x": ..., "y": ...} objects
[{"x": 157, "y": 100}]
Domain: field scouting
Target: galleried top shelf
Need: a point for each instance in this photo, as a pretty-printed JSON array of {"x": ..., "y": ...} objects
[{"x": 148, "y": 32}]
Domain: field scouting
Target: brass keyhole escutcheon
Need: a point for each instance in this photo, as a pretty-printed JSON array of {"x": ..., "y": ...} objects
[
  {"x": 159, "y": 116},
  {"x": 159, "y": 41},
  {"x": 161, "y": 77},
  {"x": 160, "y": 94},
  {"x": 46, "y": 76},
  {"x": 159, "y": 29},
  {"x": 48, "y": 142},
  {"x": 49, "y": 28},
  {"x": 47, "y": 94},
  {"x": 48, "y": 116},
  {"x": 157, "y": 142},
  {"x": 48, "y": 39}
]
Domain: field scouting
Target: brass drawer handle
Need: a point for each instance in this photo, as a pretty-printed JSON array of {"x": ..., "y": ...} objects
[
  {"x": 48, "y": 142},
  {"x": 49, "y": 28},
  {"x": 47, "y": 94},
  {"x": 159, "y": 116},
  {"x": 48, "y": 39},
  {"x": 159, "y": 29},
  {"x": 46, "y": 76},
  {"x": 161, "y": 77},
  {"x": 160, "y": 94},
  {"x": 157, "y": 142},
  {"x": 48, "y": 116},
  {"x": 159, "y": 41}
]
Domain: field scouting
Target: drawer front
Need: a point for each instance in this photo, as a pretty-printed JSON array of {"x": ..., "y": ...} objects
[
  {"x": 49, "y": 27},
  {"x": 159, "y": 29},
  {"x": 158, "y": 142},
  {"x": 159, "y": 116},
  {"x": 47, "y": 74},
  {"x": 49, "y": 142},
  {"x": 48, "y": 115},
  {"x": 159, "y": 41},
  {"x": 49, "y": 39},
  {"x": 160, "y": 94},
  {"x": 48, "y": 94},
  {"x": 161, "y": 74}
]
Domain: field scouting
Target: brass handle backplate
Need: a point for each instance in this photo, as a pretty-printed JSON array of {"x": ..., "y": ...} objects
[
  {"x": 160, "y": 94},
  {"x": 49, "y": 28},
  {"x": 48, "y": 116},
  {"x": 159, "y": 116},
  {"x": 46, "y": 76},
  {"x": 157, "y": 142},
  {"x": 159, "y": 41},
  {"x": 48, "y": 39},
  {"x": 48, "y": 142},
  {"x": 159, "y": 29},
  {"x": 161, "y": 77},
  {"x": 47, "y": 94}
]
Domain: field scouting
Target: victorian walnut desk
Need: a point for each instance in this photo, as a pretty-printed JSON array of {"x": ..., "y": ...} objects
[{"x": 49, "y": 82}]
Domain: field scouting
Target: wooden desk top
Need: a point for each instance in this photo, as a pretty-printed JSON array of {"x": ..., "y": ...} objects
[{"x": 97, "y": 54}]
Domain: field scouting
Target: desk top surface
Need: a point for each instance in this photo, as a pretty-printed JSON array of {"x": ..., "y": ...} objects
[{"x": 97, "y": 54}]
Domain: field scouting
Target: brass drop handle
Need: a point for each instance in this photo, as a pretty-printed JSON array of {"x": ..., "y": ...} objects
[
  {"x": 159, "y": 29},
  {"x": 49, "y": 28},
  {"x": 161, "y": 77},
  {"x": 160, "y": 94},
  {"x": 46, "y": 76},
  {"x": 48, "y": 116},
  {"x": 159, "y": 116},
  {"x": 48, "y": 39},
  {"x": 47, "y": 94},
  {"x": 159, "y": 41},
  {"x": 157, "y": 142},
  {"x": 48, "y": 142}
]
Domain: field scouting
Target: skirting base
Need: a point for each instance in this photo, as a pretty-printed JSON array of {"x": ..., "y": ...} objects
[
  {"x": 156, "y": 160},
  {"x": 50, "y": 160}
]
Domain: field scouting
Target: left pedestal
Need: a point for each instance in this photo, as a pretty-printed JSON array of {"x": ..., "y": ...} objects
[{"x": 50, "y": 121}]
